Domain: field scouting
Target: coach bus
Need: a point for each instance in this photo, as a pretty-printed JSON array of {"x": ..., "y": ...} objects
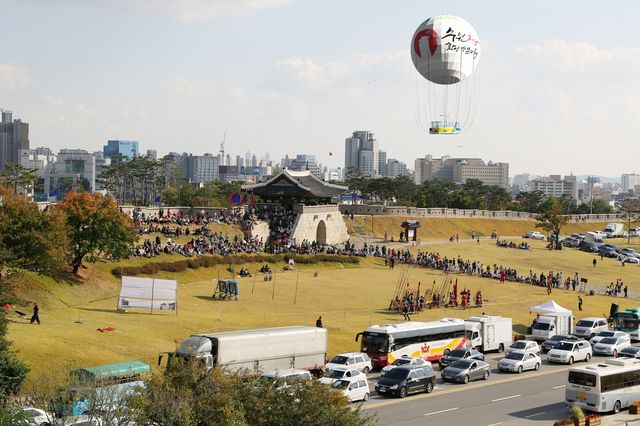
[
  {"x": 603, "y": 387},
  {"x": 427, "y": 340},
  {"x": 628, "y": 321}
]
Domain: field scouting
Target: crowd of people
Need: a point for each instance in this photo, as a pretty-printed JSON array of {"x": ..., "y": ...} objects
[{"x": 511, "y": 244}]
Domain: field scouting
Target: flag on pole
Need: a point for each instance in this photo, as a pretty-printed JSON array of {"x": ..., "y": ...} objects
[
  {"x": 234, "y": 198},
  {"x": 244, "y": 199}
]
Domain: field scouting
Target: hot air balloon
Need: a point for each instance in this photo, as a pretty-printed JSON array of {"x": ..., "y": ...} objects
[{"x": 445, "y": 50}]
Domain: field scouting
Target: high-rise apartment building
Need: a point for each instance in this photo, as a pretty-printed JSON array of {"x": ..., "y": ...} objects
[
  {"x": 304, "y": 162},
  {"x": 362, "y": 153},
  {"x": 629, "y": 181},
  {"x": 395, "y": 168},
  {"x": 459, "y": 170},
  {"x": 382, "y": 163},
  {"x": 196, "y": 169},
  {"x": 14, "y": 137}
]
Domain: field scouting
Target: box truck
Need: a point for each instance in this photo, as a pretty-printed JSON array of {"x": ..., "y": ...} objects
[
  {"x": 257, "y": 351},
  {"x": 489, "y": 333},
  {"x": 614, "y": 230},
  {"x": 548, "y": 325}
]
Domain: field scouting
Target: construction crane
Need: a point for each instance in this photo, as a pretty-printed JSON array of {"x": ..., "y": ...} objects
[{"x": 222, "y": 158}]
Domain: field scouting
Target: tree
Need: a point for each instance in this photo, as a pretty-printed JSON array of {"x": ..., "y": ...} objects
[
  {"x": 553, "y": 220},
  {"x": 631, "y": 213},
  {"x": 95, "y": 227},
  {"x": 188, "y": 395},
  {"x": 17, "y": 177}
]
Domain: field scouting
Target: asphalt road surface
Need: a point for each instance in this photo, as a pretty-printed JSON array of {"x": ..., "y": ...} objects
[{"x": 533, "y": 397}]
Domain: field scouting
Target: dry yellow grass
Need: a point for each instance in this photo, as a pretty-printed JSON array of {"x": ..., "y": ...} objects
[
  {"x": 349, "y": 299},
  {"x": 443, "y": 228}
]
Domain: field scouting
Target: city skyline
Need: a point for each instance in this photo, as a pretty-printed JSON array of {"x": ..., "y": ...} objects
[{"x": 551, "y": 89}]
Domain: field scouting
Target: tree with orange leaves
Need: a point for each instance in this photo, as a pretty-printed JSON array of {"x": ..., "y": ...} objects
[{"x": 95, "y": 227}]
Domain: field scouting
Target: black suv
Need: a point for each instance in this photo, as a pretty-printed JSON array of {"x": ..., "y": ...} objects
[
  {"x": 457, "y": 354},
  {"x": 547, "y": 345},
  {"x": 404, "y": 380}
]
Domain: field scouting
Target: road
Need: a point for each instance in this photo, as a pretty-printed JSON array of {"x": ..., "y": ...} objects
[{"x": 509, "y": 399}]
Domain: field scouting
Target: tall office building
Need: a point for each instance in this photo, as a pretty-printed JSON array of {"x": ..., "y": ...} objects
[
  {"x": 382, "y": 163},
  {"x": 196, "y": 169},
  {"x": 629, "y": 181},
  {"x": 395, "y": 168},
  {"x": 362, "y": 153},
  {"x": 115, "y": 148},
  {"x": 14, "y": 137},
  {"x": 459, "y": 170},
  {"x": 555, "y": 186},
  {"x": 74, "y": 169}
]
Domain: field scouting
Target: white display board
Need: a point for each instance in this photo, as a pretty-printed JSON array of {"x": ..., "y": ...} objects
[{"x": 148, "y": 293}]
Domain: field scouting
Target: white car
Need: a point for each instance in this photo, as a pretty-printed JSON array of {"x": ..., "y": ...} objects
[
  {"x": 355, "y": 389},
  {"x": 535, "y": 235},
  {"x": 404, "y": 360},
  {"x": 568, "y": 352},
  {"x": 518, "y": 361},
  {"x": 589, "y": 327},
  {"x": 524, "y": 346},
  {"x": 38, "y": 417},
  {"x": 341, "y": 374},
  {"x": 609, "y": 333},
  {"x": 357, "y": 360},
  {"x": 611, "y": 345},
  {"x": 629, "y": 259}
]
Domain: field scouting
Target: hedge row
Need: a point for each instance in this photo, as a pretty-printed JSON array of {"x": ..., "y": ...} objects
[{"x": 152, "y": 268}]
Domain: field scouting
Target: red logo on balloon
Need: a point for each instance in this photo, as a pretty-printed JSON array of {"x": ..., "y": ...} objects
[{"x": 433, "y": 41}]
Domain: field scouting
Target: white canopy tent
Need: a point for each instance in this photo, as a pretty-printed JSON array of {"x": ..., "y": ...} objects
[{"x": 550, "y": 307}]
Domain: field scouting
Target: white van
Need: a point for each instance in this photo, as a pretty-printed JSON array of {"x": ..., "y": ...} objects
[
  {"x": 589, "y": 327},
  {"x": 356, "y": 389},
  {"x": 593, "y": 237}
]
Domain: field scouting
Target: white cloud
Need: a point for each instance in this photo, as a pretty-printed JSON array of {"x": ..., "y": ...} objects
[
  {"x": 187, "y": 10},
  {"x": 13, "y": 77},
  {"x": 53, "y": 100},
  {"x": 322, "y": 75},
  {"x": 183, "y": 86},
  {"x": 570, "y": 57}
]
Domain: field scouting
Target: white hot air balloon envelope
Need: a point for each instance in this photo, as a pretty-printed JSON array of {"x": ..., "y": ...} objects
[{"x": 445, "y": 50}]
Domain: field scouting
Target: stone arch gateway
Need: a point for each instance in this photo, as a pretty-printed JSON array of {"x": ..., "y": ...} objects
[{"x": 321, "y": 232}]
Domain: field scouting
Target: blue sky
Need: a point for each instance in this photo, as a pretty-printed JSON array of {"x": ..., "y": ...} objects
[{"x": 558, "y": 81}]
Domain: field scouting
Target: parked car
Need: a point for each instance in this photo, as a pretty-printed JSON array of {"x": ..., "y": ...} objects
[
  {"x": 627, "y": 251},
  {"x": 466, "y": 370},
  {"x": 535, "y": 235},
  {"x": 611, "y": 345},
  {"x": 404, "y": 360},
  {"x": 629, "y": 259},
  {"x": 457, "y": 354},
  {"x": 518, "y": 361},
  {"x": 404, "y": 380},
  {"x": 356, "y": 389},
  {"x": 568, "y": 352},
  {"x": 37, "y": 417},
  {"x": 357, "y": 360},
  {"x": 549, "y": 344},
  {"x": 588, "y": 247},
  {"x": 570, "y": 242},
  {"x": 589, "y": 327},
  {"x": 630, "y": 352},
  {"x": 607, "y": 252},
  {"x": 525, "y": 346},
  {"x": 608, "y": 333},
  {"x": 331, "y": 376}
]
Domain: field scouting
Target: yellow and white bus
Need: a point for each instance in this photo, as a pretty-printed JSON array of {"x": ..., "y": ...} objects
[
  {"x": 427, "y": 340},
  {"x": 606, "y": 386}
]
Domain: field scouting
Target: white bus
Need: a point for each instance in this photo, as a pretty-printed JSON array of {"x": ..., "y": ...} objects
[
  {"x": 426, "y": 340},
  {"x": 608, "y": 386}
]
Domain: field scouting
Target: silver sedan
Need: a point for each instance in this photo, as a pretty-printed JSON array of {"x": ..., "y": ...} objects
[{"x": 518, "y": 361}]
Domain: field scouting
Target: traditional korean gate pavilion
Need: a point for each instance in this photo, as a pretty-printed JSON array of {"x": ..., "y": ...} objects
[{"x": 291, "y": 187}]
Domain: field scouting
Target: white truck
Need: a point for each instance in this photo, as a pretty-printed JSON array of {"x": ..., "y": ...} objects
[
  {"x": 593, "y": 237},
  {"x": 614, "y": 230},
  {"x": 261, "y": 350},
  {"x": 548, "y": 325},
  {"x": 489, "y": 333}
]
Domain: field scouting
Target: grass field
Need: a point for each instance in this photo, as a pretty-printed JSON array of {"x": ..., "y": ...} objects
[
  {"x": 348, "y": 298},
  {"x": 442, "y": 228}
]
